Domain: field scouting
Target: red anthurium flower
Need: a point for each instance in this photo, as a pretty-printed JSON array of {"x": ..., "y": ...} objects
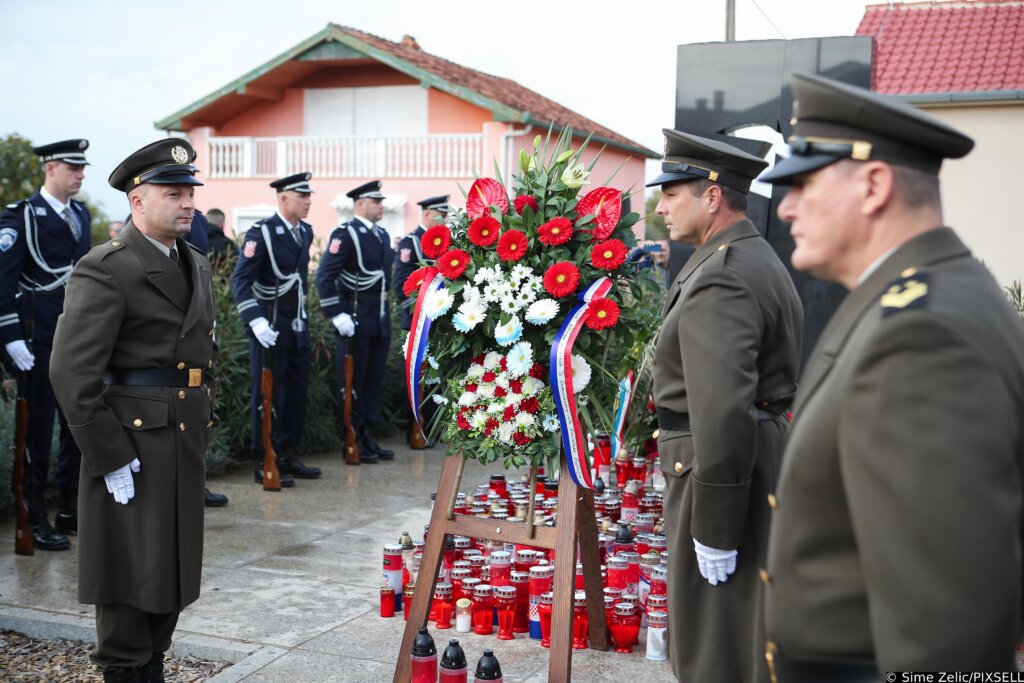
[
  {"x": 561, "y": 279},
  {"x": 485, "y": 193},
  {"x": 606, "y": 205},
  {"x": 607, "y": 255},
  {"x": 530, "y": 405},
  {"x": 523, "y": 201},
  {"x": 512, "y": 245},
  {"x": 452, "y": 264},
  {"x": 483, "y": 231},
  {"x": 471, "y": 387},
  {"x": 489, "y": 376},
  {"x": 521, "y": 438},
  {"x": 556, "y": 231},
  {"x": 416, "y": 278},
  {"x": 537, "y": 371},
  {"x": 603, "y": 313},
  {"x": 436, "y": 241}
]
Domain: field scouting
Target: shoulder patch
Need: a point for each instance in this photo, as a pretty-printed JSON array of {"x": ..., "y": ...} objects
[
  {"x": 8, "y": 236},
  {"x": 905, "y": 293}
]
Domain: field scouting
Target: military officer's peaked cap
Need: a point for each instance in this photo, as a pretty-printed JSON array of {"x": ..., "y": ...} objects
[
  {"x": 69, "y": 151},
  {"x": 164, "y": 162},
  {"x": 834, "y": 120},
  {"x": 691, "y": 157},
  {"x": 370, "y": 190},
  {"x": 439, "y": 203},
  {"x": 294, "y": 183}
]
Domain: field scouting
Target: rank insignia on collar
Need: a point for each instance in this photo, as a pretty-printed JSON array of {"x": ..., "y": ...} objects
[
  {"x": 40, "y": 210},
  {"x": 905, "y": 293},
  {"x": 280, "y": 230},
  {"x": 362, "y": 229}
]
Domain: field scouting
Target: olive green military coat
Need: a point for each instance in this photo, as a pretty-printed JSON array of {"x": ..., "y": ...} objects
[
  {"x": 897, "y": 536},
  {"x": 729, "y": 344},
  {"x": 128, "y": 307}
]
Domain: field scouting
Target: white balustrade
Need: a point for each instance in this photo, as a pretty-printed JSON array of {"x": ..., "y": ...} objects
[{"x": 432, "y": 156}]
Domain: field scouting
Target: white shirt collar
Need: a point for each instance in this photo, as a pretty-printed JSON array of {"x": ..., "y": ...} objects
[
  {"x": 54, "y": 203},
  {"x": 285, "y": 221},
  {"x": 875, "y": 265},
  {"x": 365, "y": 221},
  {"x": 166, "y": 250}
]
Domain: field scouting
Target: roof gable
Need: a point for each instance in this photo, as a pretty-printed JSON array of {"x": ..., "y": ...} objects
[
  {"x": 507, "y": 100},
  {"x": 953, "y": 46}
]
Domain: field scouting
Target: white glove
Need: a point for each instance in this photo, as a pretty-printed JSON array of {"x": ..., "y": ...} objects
[
  {"x": 343, "y": 323},
  {"x": 120, "y": 483},
  {"x": 265, "y": 334},
  {"x": 19, "y": 353},
  {"x": 715, "y": 565}
]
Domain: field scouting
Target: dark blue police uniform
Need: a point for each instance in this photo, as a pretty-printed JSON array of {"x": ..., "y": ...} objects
[
  {"x": 410, "y": 257},
  {"x": 38, "y": 248},
  {"x": 354, "y": 277}
]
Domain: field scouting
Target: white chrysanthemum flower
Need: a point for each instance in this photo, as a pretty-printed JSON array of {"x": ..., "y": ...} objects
[
  {"x": 462, "y": 323},
  {"x": 551, "y": 423},
  {"x": 509, "y": 305},
  {"x": 519, "y": 272},
  {"x": 541, "y": 312},
  {"x": 482, "y": 276},
  {"x": 532, "y": 386},
  {"x": 440, "y": 400},
  {"x": 580, "y": 373},
  {"x": 492, "y": 292},
  {"x": 485, "y": 391},
  {"x": 504, "y": 432},
  {"x": 525, "y": 297},
  {"x": 476, "y": 371},
  {"x": 492, "y": 360},
  {"x": 433, "y": 362},
  {"x": 471, "y": 313},
  {"x": 432, "y": 380},
  {"x": 519, "y": 359},
  {"x": 495, "y": 408},
  {"x": 405, "y": 345},
  {"x": 502, "y": 380},
  {"x": 510, "y": 400},
  {"x": 509, "y": 333},
  {"x": 438, "y": 303},
  {"x": 470, "y": 294},
  {"x": 478, "y": 420},
  {"x": 525, "y": 420},
  {"x": 468, "y": 398}
]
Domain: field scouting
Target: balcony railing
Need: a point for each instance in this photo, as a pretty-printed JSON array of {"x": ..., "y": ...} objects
[{"x": 432, "y": 156}]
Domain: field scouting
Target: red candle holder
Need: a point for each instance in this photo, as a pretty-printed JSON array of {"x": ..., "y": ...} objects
[
  {"x": 544, "y": 612},
  {"x": 505, "y": 602},
  {"x": 483, "y": 610},
  {"x": 580, "y": 623},
  {"x": 444, "y": 608},
  {"x": 625, "y": 627}
]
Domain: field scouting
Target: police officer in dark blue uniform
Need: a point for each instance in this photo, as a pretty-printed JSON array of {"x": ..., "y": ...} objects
[
  {"x": 353, "y": 281},
  {"x": 41, "y": 238},
  {"x": 270, "y": 287}
]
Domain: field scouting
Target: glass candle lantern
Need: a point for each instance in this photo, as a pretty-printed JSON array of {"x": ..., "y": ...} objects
[
  {"x": 625, "y": 630},
  {"x": 505, "y": 602},
  {"x": 580, "y": 623},
  {"x": 521, "y": 621},
  {"x": 444, "y": 608},
  {"x": 544, "y": 615},
  {"x": 483, "y": 610}
]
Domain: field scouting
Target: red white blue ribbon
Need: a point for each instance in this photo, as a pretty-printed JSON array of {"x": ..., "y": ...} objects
[
  {"x": 560, "y": 372},
  {"x": 416, "y": 344},
  {"x": 619, "y": 426}
]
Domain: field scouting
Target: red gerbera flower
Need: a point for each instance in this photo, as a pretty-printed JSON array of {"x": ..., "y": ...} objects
[
  {"x": 515, "y": 386},
  {"x": 499, "y": 392},
  {"x": 436, "y": 241},
  {"x": 556, "y": 231},
  {"x": 561, "y": 279},
  {"x": 537, "y": 371},
  {"x": 530, "y": 405},
  {"x": 483, "y": 231},
  {"x": 452, "y": 264},
  {"x": 416, "y": 278},
  {"x": 489, "y": 376},
  {"x": 523, "y": 201},
  {"x": 512, "y": 245},
  {"x": 521, "y": 438},
  {"x": 607, "y": 255},
  {"x": 492, "y": 424},
  {"x": 603, "y": 313},
  {"x": 471, "y": 387}
]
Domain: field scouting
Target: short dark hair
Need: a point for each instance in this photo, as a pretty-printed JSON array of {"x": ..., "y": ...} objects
[
  {"x": 215, "y": 216},
  {"x": 734, "y": 199},
  {"x": 918, "y": 189}
]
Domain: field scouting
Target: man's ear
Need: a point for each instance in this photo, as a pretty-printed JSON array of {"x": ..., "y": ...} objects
[
  {"x": 713, "y": 197},
  {"x": 876, "y": 183}
]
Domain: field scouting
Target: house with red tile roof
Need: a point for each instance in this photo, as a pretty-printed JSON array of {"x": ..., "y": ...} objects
[
  {"x": 963, "y": 62},
  {"x": 351, "y": 107}
]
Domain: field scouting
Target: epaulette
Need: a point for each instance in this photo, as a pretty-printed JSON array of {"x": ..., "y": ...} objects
[
  {"x": 908, "y": 291},
  {"x": 109, "y": 247},
  {"x": 14, "y": 205}
]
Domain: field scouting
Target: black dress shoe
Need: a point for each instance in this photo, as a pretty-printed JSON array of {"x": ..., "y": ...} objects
[
  {"x": 66, "y": 521},
  {"x": 218, "y": 500},
  {"x": 286, "y": 480},
  {"x": 367, "y": 457},
  {"x": 45, "y": 538},
  {"x": 374, "y": 447},
  {"x": 118, "y": 674},
  {"x": 289, "y": 464},
  {"x": 152, "y": 671}
]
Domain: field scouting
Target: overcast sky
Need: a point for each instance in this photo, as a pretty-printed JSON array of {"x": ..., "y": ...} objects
[{"x": 108, "y": 70}]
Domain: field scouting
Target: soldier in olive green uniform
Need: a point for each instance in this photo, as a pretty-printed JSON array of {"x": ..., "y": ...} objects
[
  {"x": 727, "y": 360},
  {"x": 131, "y": 367},
  {"x": 896, "y": 538}
]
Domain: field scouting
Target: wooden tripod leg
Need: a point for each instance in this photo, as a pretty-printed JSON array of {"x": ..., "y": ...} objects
[
  {"x": 430, "y": 566},
  {"x": 560, "y": 658},
  {"x": 586, "y": 532}
]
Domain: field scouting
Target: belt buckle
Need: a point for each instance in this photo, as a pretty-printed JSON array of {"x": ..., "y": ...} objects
[{"x": 195, "y": 377}]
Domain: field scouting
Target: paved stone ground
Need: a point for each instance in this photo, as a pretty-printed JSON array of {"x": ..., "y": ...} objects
[{"x": 290, "y": 583}]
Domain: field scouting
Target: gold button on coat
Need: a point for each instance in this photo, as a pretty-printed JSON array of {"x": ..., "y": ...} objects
[
  {"x": 773, "y": 502},
  {"x": 181, "y": 365},
  {"x": 181, "y": 426},
  {"x": 181, "y": 394},
  {"x": 137, "y": 422},
  {"x": 679, "y": 467}
]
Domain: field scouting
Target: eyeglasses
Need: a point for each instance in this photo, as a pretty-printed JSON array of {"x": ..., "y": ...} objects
[{"x": 858, "y": 150}]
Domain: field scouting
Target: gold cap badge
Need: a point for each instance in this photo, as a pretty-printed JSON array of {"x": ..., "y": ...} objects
[{"x": 179, "y": 154}]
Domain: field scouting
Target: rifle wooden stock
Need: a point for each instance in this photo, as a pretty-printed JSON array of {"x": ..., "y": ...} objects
[
  {"x": 22, "y": 529},
  {"x": 351, "y": 449},
  {"x": 416, "y": 438},
  {"x": 271, "y": 477}
]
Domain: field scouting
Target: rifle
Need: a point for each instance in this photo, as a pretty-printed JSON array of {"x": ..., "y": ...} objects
[
  {"x": 22, "y": 529},
  {"x": 351, "y": 449},
  {"x": 271, "y": 476}
]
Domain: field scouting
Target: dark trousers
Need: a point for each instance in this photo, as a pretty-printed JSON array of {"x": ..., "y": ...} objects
[
  {"x": 290, "y": 364},
  {"x": 41, "y": 412},
  {"x": 128, "y": 637},
  {"x": 370, "y": 354}
]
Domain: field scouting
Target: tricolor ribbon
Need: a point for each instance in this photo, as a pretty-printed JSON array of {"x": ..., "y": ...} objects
[
  {"x": 624, "y": 399},
  {"x": 416, "y": 344},
  {"x": 561, "y": 383}
]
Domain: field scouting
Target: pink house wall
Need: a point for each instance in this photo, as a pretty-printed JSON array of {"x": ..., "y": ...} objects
[
  {"x": 268, "y": 119},
  {"x": 447, "y": 114}
]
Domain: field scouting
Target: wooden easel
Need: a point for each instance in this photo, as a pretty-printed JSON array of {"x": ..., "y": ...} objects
[{"x": 575, "y": 522}]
